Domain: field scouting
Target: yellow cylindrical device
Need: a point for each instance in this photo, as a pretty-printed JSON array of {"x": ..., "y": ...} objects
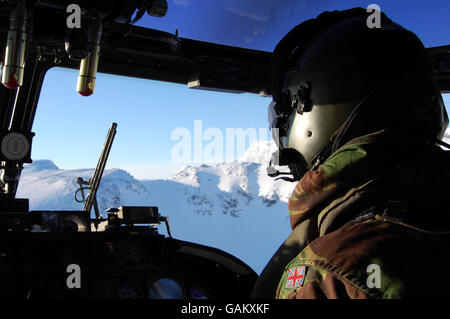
[
  {"x": 88, "y": 72},
  {"x": 12, "y": 73},
  {"x": 89, "y": 65},
  {"x": 13, "y": 67}
]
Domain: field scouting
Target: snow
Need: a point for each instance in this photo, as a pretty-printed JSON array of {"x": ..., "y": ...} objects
[
  {"x": 232, "y": 206},
  {"x": 259, "y": 152},
  {"x": 447, "y": 136}
]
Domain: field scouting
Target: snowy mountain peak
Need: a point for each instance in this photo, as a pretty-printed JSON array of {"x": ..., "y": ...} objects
[
  {"x": 259, "y": 152},
  {"x": 40, "y": 165},
  {"x": 187, "y": 175},
  {"x": 233, "y": 206}
]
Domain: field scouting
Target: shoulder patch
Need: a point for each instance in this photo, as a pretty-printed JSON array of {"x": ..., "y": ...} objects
[{"x": 295, "y": 277}]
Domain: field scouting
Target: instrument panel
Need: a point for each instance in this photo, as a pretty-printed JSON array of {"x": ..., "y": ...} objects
[{"x": 102, "y": 265}]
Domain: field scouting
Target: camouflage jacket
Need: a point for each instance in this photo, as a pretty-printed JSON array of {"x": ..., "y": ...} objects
[{"x": 381, "y": 223}]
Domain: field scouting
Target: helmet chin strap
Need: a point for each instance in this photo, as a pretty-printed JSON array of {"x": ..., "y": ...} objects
[
  {"x": 324, "y": 153},
  {"x": 337, "y": 138}
]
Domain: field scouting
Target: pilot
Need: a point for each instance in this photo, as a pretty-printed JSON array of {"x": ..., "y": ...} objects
[{"x": 358, "y": 118}]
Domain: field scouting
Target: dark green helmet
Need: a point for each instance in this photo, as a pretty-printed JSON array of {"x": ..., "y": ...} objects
[{"x": 334, "y": 79}]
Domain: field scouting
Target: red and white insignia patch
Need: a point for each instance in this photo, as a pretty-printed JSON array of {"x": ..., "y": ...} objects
[{"x": 295, "y": 277}]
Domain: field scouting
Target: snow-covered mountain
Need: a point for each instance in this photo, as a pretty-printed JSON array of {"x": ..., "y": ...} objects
[{"x": 233, "y": 206}]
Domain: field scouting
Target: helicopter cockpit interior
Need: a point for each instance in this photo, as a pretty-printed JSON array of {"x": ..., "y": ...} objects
[{"x": 124, "y": 38}]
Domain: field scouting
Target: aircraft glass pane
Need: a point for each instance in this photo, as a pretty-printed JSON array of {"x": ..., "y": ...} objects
[{"x": 260, "y": 24}]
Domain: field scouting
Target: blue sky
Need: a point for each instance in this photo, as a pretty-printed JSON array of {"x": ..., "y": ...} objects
[
  {"x": 147, "y": 112},
  {"x": 260, "y": 24},
  {"x": 70, "y": 129}
]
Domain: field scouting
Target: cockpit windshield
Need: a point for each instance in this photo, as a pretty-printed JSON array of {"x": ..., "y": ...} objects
[{"x": 260, "y": 24}]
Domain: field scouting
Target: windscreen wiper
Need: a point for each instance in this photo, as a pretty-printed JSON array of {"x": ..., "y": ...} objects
[{"x": 94, "y": 182}]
